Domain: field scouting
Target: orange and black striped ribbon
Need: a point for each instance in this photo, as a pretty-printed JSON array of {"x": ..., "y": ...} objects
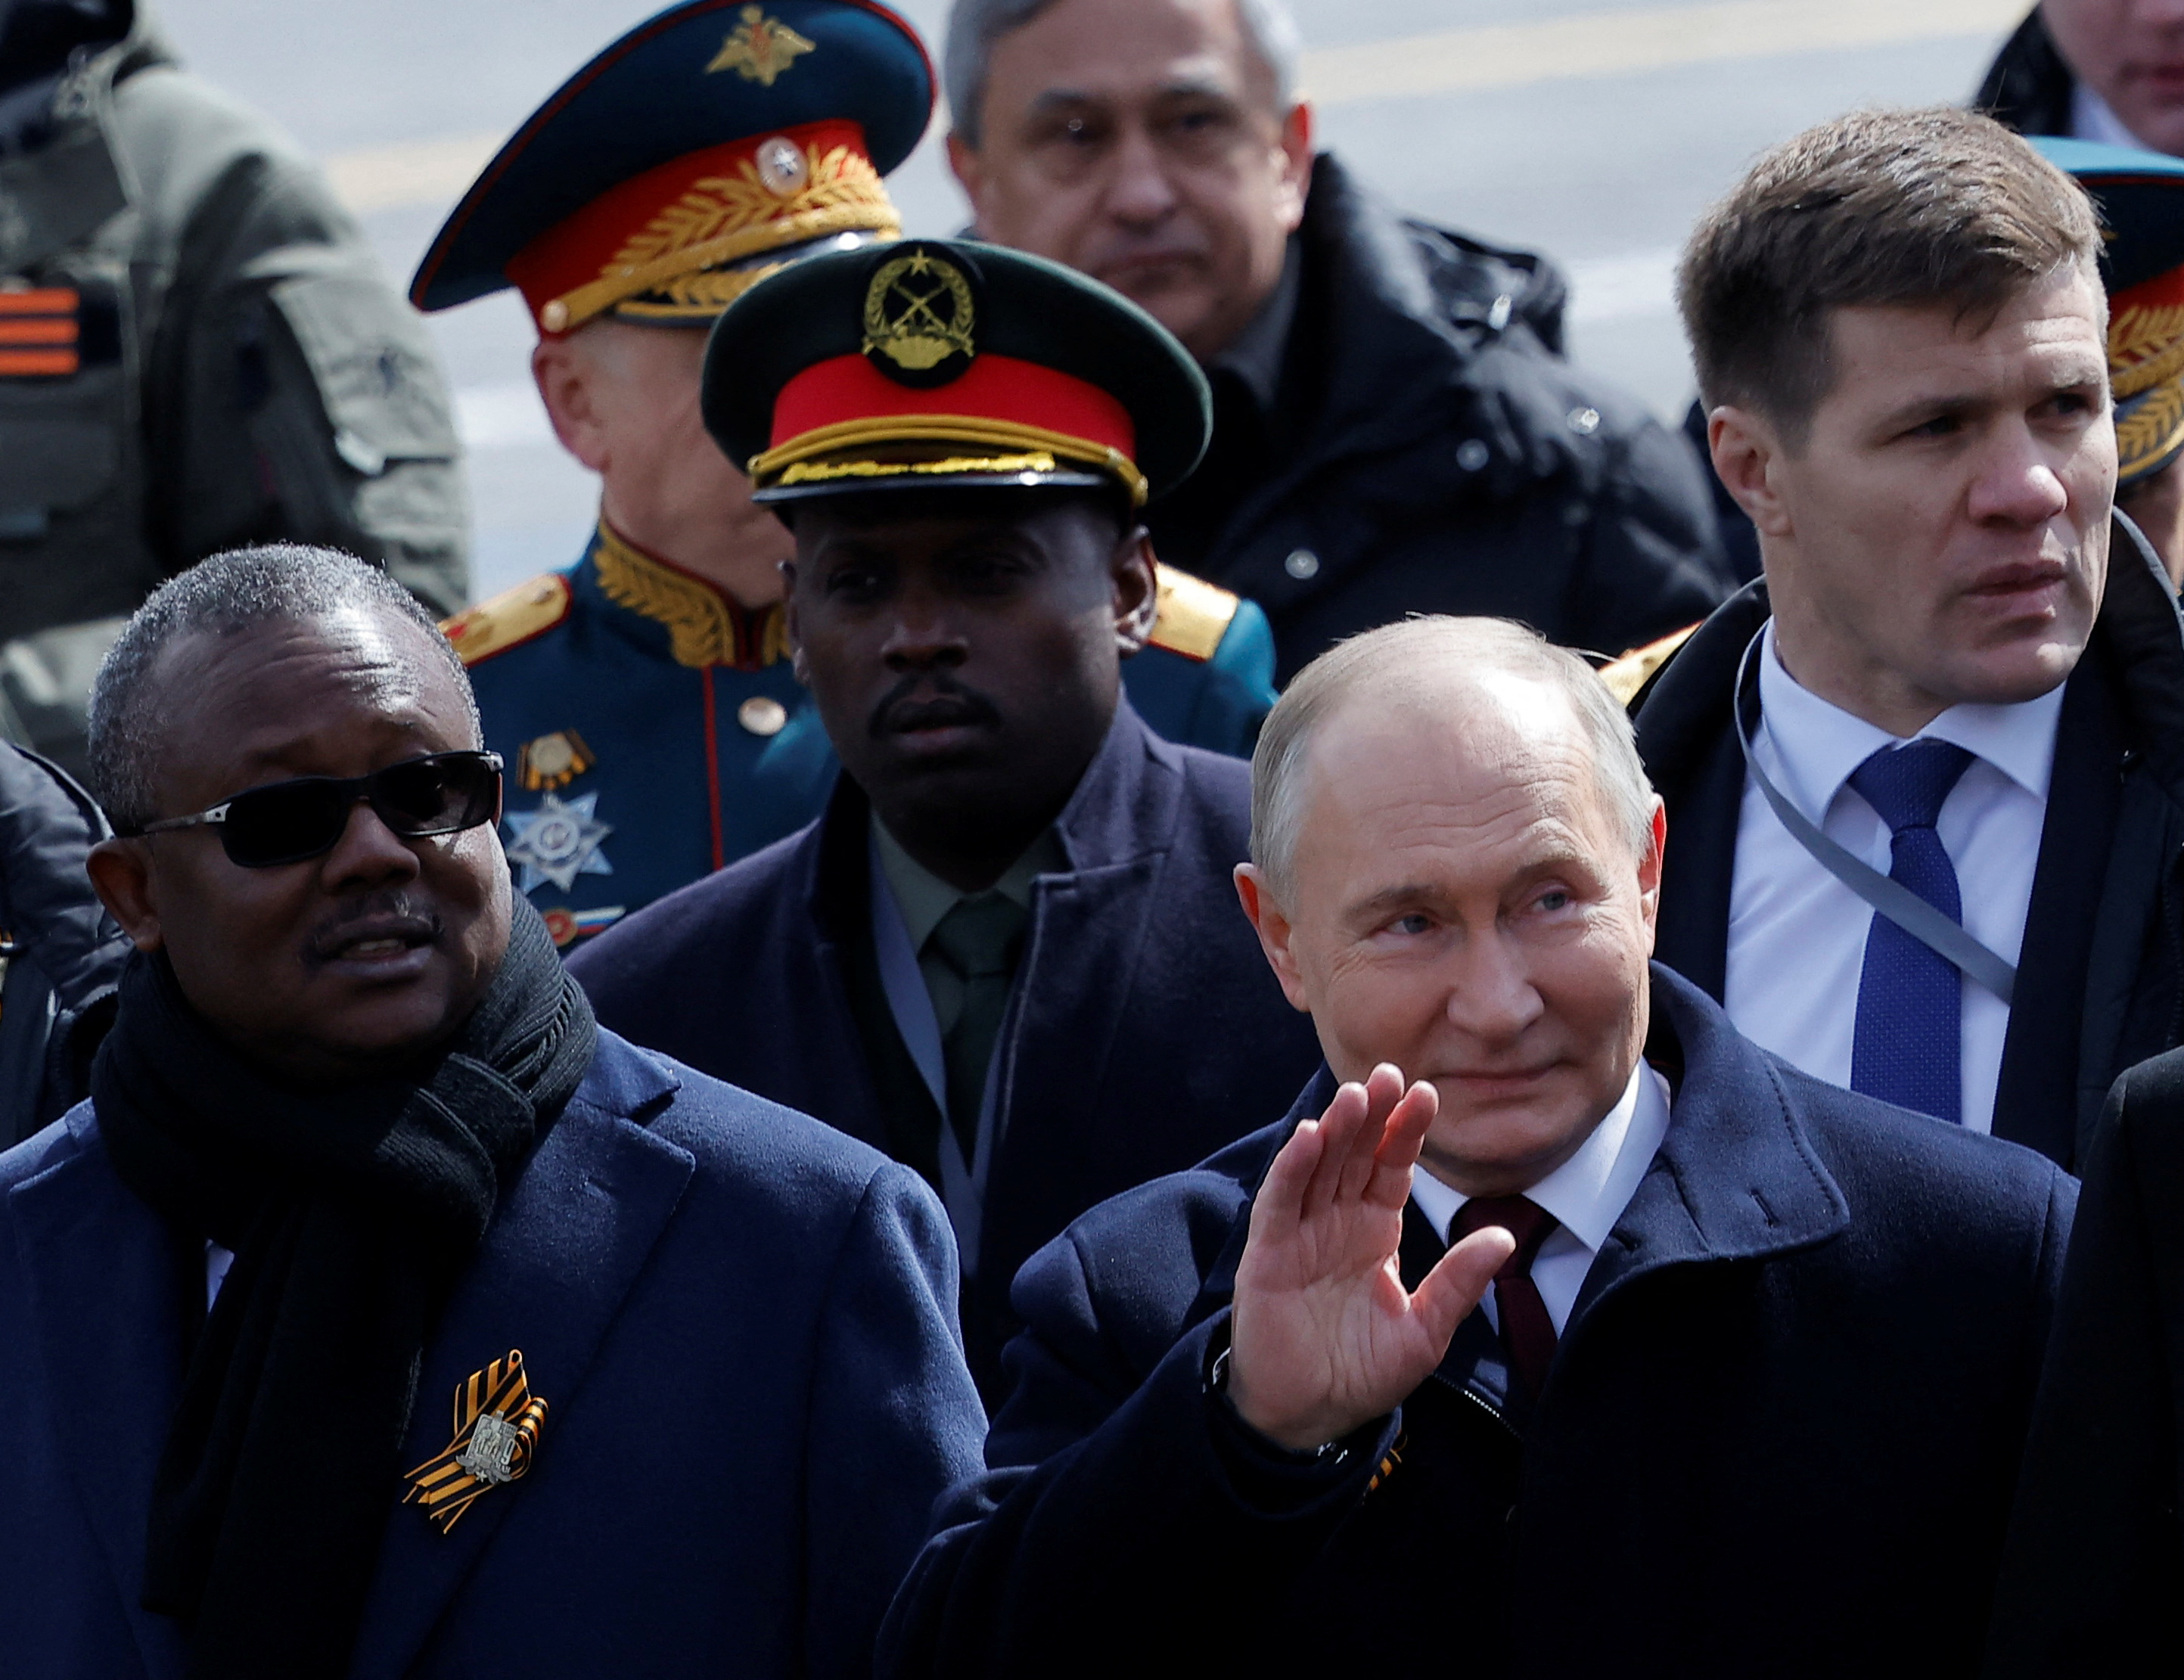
[
  {"x": 443, "y": 1486},
  {"x": 38, "y": 333}
]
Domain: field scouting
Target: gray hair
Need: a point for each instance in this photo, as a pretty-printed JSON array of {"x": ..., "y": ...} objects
[
  {"x": 1398, "y": 662},
  {"x": 975, "y": 25},
  {"x": 281, "y": 582}
]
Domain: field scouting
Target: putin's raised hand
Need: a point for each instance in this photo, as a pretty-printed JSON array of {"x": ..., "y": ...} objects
[{"x": 1324, "y": 1338}]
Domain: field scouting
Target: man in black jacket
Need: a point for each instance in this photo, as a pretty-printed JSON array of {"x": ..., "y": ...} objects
[
  {"x": 1747, "y": 1397},
  {"x": 1008, "y": 952},
  {"x": 1929, "y": 849},
  {"x": 2096, "y": 69},
  {"x": 1394, "y": 428}
]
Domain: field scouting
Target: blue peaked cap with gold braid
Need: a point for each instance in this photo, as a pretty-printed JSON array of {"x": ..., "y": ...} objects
[
  {"x": 665, "y": 176},
  {"x": 2140, "y": 196}
]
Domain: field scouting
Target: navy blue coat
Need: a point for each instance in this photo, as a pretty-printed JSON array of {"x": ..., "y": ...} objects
[
  {"x": 1778, "y": 1438},
  {"x": 1144, "y": 1032},
  {"x": 742, "y": 1324}
]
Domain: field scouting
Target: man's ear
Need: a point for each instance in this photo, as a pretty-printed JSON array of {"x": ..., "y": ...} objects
[
  {"x": 566, "y": 379},
  {"x": 1136, "y": 580},
  {"x": 121, "y": 873},
  {"x": 1747, "y": 456},
  {"x": 1649, "y": 874},
  {"x": 1276, "y": 935},
  {"x": 970, "y": 174},
  {"x": 1297, "y": 165},
  {"x": 791, "y": 626}
]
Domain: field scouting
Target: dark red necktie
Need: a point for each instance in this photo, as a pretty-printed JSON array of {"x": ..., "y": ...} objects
[{"x": 1526, "y": 1330}]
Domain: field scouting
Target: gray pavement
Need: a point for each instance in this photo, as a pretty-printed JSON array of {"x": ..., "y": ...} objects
[{"x": 1594, "y": 130}]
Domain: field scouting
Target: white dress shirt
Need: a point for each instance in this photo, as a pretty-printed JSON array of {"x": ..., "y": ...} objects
[
  {"x": 1586, "y": 1193},
  {"x": 1797, "y": 935},
  {"x": 217, "y": 1261}
]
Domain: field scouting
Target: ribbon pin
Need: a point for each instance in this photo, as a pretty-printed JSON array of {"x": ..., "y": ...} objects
[{"x": 496, "y": 1425}]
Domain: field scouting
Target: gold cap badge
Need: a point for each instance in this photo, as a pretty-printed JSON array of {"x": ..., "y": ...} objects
[
  {"x": 496, "y": 1425},
  {"x": 760, "y": 48},
  {"x": 920, "y": 316}
]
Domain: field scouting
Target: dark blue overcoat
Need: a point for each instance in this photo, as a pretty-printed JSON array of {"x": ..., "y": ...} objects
[
  {"x": 1779, "y": 1437},
  {"x": 741, "y": 1321},
  {"x": 1145, "y": 1030}
]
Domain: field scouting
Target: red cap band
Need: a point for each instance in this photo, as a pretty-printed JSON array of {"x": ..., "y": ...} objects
[{"x": 993, "y": 388}]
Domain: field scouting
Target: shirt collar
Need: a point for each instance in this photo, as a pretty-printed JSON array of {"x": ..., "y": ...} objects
[
  {"x": 1819, "y": 744},
  {"x": 923, "y": 898},
  {"x": 2092, "y": 118},
  {"x": 1587, "y": 1192},
  {"x": 1256, "y": 354}
]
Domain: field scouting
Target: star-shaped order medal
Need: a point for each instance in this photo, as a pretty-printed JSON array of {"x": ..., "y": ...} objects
[{"x": 558, "y": 842}]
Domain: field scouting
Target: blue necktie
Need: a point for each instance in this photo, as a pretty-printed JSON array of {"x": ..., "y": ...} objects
[{"x": 1907, "y": 1048}]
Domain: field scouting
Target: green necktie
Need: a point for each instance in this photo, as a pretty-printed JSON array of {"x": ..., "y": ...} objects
[{"x": 979, "y": 939}]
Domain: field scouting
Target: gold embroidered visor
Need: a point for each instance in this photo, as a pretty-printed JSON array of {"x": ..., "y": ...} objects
[
  {"x": 2145, "y": 369},
  {"x": 681, "y": 242}
]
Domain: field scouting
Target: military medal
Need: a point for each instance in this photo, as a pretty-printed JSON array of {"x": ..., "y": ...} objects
[
  {"x": 497, "y": 1423},
  {"x": 558, "y": 842},
  {"x": 553, "y": 761}
]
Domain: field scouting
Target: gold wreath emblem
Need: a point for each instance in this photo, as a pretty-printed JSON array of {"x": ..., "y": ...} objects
[{"x": 918, "y": 312}]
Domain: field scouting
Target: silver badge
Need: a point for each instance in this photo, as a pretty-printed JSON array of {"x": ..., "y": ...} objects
[
  {"x": 782, "y": 167},
  {"x": 558, "y": 842},
  {"x": 492, "y": 1448}
]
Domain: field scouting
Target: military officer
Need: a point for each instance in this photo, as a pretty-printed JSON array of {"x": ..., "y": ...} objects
[
  {"x": 643, "y": 698},
  {"x": 197, "y": 348},
  {"x": 2141, "y": 195}
]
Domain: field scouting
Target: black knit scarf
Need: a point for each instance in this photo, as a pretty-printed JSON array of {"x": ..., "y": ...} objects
[{"x": 351, "y": 1212}]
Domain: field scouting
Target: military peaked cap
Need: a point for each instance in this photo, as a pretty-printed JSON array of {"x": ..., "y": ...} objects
[
  {"x": 707, "y": 145},
  {"x": 939, "y": 362},
  {"x": 2140, "y": 198}
]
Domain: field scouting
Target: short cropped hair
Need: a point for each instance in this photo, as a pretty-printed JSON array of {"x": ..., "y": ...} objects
[
  {"x": 1396, "y": 663},
  {"x": 280, "y": 582},
  {"x": 975, "y": 25},
  {"x": 1938, "y": 206}
]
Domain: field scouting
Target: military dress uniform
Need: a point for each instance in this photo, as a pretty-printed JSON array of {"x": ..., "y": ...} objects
[
  {"x": 653, "y": 727},
  {"x": 198, "y": 349}
]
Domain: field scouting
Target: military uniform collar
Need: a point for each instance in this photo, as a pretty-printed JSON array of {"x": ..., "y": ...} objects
[{"x": 704, "y": 625}]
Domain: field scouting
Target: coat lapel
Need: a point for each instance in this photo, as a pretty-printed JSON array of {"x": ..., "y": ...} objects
[
  {"x": 108, "y": 1297},
  {"x": 550, "y": 1280},
  {"x": 2035, "y": 1100},
  {"x": 1078, "y": 971},
  {"x": 1736, "y": 1178},
  {"x": 1691, "y": 751}
]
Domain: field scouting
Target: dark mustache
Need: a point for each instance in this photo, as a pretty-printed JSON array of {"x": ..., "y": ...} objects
[
  {"x": 947, "y": 701},
  {"x": 414, "y": 916}
]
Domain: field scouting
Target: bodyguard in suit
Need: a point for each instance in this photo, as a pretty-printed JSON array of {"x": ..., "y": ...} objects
[
  {"x": 381, "y": 1315},
  {"x": 644, "y": 696},
  {"x": 1925, "y": 778},
  {"x": 1007, "y": 953},
  {"x": 1746, "y": 1394}
]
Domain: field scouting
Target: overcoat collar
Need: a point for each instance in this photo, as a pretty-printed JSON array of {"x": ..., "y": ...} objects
[{"x": 107, "y": 1290}]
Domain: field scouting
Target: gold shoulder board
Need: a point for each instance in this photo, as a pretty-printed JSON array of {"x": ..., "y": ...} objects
[
  {"x": 1625, "y": 677},
  {"x": 1193, "y": 615},
  {"x": 498, "y": 623}
]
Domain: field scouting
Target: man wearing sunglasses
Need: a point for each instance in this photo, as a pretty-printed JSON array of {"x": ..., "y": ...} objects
[{"x": 356, "y": 1152}]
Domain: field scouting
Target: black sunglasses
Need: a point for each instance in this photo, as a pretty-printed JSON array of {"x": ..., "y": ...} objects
[{"x": 284, "y": 822}]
